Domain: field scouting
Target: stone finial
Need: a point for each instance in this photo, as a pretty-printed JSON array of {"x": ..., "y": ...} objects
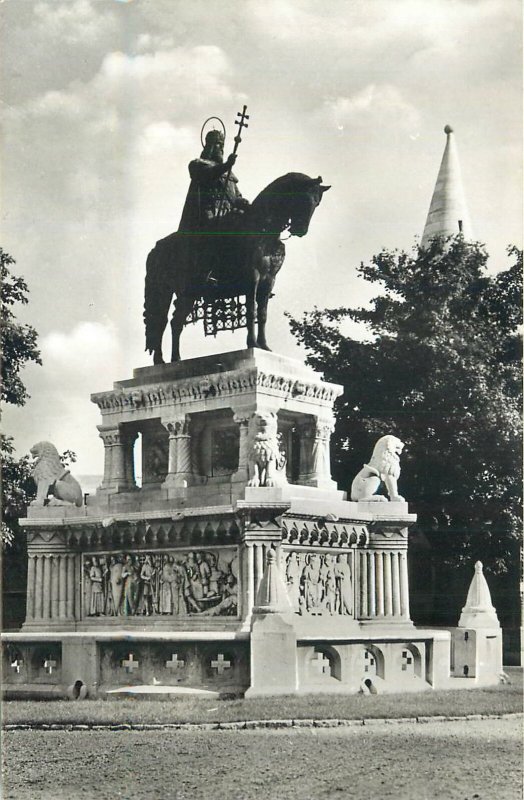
[
  {"x": 272, "y": 596},
  {"x": 479, "y": 611},
  {"x": 53, "y": 479},
  {"x": 448, "y": 212}
]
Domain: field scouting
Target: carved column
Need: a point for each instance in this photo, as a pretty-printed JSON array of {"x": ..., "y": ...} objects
[
  {"x": 388, "y": 589},
  {"x": 363, "y": 575},
  {"x": 379, "y": 583},
  {"x": 31, "y": 575},
  {"x": 70, "y": 602},
  {"x": 242, "y": 473},
  {"x": 117, "y": 456},
  {"x": 248, "y": 579},
  {"x": 179, "y": 472},
  {"x": 54, "y": 586},
  {"x": 404, "y": 586},
  {"x": 62, "y": 590},
  {"x": 372, "y": 608},
  {"x": 46, "y": 592},
  {"x": 39, "y": 585},
  {"x": 259, "y": 566},
  {"x": 321, "y": 466},
  {"x": 395, "y": 578}
]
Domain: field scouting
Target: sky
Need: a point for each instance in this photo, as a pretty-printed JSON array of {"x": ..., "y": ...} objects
[{"x": 103, "y": 103}]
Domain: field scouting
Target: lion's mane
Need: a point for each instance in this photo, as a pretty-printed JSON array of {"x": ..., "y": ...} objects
[
  {"x": 386, "y": 456},
  {"x": 48, "y": 466}
]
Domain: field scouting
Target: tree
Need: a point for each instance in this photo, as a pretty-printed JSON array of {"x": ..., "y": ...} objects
[
  {"x": 441, "y": 370},
  {"x": 18, "y": 341},
  {"x": 18, "y": 348},
  {"x": 18, "y": 344}
]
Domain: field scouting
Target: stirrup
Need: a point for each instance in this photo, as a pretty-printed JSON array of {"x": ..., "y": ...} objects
[{"x": 210, "y": 278}]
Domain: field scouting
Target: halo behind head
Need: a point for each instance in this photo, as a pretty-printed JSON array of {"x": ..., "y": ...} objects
[{"x": 214, "y": 131}]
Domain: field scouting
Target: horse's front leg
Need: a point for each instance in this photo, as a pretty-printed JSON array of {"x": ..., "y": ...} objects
[
  {"x": 183, "y": 307},
  {"x": 251, "y": 299}
]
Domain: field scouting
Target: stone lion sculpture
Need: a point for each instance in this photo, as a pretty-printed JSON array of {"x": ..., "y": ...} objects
[
  {"x": 52, "y": 478},
  {"x": 266, "y": 460},
  {"x": 383, "y": 467}
]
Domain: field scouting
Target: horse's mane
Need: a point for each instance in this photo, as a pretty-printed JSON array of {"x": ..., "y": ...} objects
[{"x": 291, "y": 182}]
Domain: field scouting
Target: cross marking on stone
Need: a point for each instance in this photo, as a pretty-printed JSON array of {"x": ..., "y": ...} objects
[
  {"x": 220, "y": 665},
  {"x": 130, "y": 664},
  {"x": 407, "y": 659},
  {"x": 320, "y": 663},
  {"x": 17, "y": 664},
  {"x": 49, "y": 665},
  {"x": 369, "y": 661},
  {"x": 175, "y": 663}
]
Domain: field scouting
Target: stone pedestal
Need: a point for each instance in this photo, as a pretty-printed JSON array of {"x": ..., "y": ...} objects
[
  {"x": 195, "y": 419},
  {"x": 237, "y": 566}
]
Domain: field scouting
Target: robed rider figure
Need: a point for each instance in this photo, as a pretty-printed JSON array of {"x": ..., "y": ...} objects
[{"x": 213, "y": 191}]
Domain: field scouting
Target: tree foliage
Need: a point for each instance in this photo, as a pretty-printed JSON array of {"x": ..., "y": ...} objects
[
  {"x": 440, "y": 370},
  {"x": 18, "y": 348},
  {"x": 18, "y": 341}
]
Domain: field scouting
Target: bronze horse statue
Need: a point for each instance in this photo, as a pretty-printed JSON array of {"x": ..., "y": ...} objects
[{"x": 241, "y": 255}]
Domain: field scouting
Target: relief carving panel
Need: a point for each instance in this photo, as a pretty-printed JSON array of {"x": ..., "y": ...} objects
[
  {"x": 320, "y": 583},
  {"x": 173, "y": 583}
]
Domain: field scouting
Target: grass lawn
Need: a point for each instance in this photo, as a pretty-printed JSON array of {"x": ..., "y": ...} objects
[{"x": 502, "y": 699}]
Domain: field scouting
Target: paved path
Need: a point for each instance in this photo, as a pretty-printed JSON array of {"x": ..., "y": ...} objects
[{"x": 457, "y": 760}]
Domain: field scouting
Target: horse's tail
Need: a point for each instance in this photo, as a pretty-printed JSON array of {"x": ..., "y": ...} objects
[{"x": 157, "y": 298}]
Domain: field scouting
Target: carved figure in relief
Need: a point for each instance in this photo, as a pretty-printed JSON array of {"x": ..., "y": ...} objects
[
  {"x": 52, "y": 478},
  {"x": 328, "y": 583},
  {"x": 293, "y": 574},
  {"x": 204, "y": 572},
  {"x": 342, "y": 572},
  {"x": 166, "y": 586},
  {"x": 312, "y": 584},
  {"x": 96, "y": 606},
  {"x": 216, "y": 575},
  {"x": 115, "y": 583},
  {"x": 147, "y": 573},
  {"x": 266, "y": 460},
  {"x": 229, "y": 602},
  {"x": 178, "y": 588},
  {"x": 131, "y": 586},
  {"x": 194, "y": 591},
  {"x": 233, "y": 566},
  {"x": 87, "y": 585},
  {"x": 383, "y": 467},
  {"x": 159, "y": 583}
]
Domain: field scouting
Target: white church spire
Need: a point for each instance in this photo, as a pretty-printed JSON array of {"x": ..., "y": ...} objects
[{"x": 448, "y": 212}]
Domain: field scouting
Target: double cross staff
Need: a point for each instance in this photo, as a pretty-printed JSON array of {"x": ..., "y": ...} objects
[{"x": 241, "y": 124}]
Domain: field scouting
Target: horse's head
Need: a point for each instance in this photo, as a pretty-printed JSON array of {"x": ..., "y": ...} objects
[
  {"x": 307, "y": 197},
  {"x": 288, "y": 203}
]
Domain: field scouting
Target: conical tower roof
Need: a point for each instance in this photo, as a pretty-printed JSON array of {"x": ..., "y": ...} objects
[{"x": 448, "y": 212}]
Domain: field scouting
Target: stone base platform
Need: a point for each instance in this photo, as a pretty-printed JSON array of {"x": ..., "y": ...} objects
[{"x": 237, "y": 567}]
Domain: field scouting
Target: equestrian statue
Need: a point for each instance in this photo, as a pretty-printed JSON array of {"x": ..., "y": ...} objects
[{"x": 225, "y": 249}]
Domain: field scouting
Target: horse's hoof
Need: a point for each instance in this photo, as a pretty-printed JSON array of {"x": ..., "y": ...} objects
[
  {"x": 264, "y": 347},
  {"x": 158, "y": 360}
]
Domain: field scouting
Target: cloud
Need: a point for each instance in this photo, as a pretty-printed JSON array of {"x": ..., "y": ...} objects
[
  {"x": 67, "y": 42},
  {"x": 72, "y": 23},
  {"x": 77, "y": 351},
  {"x": 76, "y": 362},
  {"x": 371, "y": 105}
]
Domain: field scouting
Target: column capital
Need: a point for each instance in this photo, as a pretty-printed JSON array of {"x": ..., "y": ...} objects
[{"x": 177, "y": 425}]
